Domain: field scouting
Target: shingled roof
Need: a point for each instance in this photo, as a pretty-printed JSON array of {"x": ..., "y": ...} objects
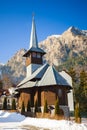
[{"x": 46, "y": 75}]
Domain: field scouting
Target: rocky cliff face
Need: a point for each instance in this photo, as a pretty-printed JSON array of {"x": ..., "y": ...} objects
[
  {"x": 15, "y": 67},
  {"x": 67, "y": 50},
  {"x": 72, "y": 44}
]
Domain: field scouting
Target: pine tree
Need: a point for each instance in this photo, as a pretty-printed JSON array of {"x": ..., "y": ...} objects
[
  {"x": 5, "y": 104},
  {"x": 45, "y": 107},
  {"x": 13, "y": 104},
  {"x": 72, "y": 74},
  {"x": 23, "y": 108},
  {"x": 28, "y": 106},
  {"x": 82, "y": 92},
  {"x": 74, "y": 79},
  {"x": 77, "y": 112},
  {"x": 83, "y": 81},
  {"x": 36, "y": 106},
  {"x": 57, "y": 110},
  {"x": 1, "y": 84}
]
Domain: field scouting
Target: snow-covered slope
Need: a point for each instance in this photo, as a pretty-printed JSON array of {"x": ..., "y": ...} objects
[{"x": 17, "y": 121}]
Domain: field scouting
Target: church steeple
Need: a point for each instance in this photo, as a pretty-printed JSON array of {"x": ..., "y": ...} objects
[
  {"x": 33, "y": 37},
  {"x": 33, "y": 41},
  {"x": 34, "y": 56}
]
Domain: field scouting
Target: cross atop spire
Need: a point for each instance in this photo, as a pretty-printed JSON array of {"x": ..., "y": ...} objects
[{"x": 33, "y": 37}]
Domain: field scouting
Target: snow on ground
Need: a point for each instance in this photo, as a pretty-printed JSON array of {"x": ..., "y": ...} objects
[
  {"x": 54, "y": 124},
  {"x": 16, "y": 120}
]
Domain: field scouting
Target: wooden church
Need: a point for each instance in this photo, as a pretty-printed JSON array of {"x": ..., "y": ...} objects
[{"x": 42, "y": 81}]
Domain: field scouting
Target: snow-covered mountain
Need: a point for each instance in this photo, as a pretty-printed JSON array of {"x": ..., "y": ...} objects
[
  {"x": 76, "y": 31},
  {"x": 69, "y": 45},
  {"x": 67, "y": 49}
]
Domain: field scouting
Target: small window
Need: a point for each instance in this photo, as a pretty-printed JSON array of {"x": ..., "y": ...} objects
[
  {"x": 38, "y": 55},
  {"x": 33, "y": 54}
]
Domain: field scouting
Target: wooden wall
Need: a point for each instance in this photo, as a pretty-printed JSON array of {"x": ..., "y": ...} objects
[
  {"x": 50, "y": 93},
  {"x": 34, "y": 60},
  {"x": 24, "y": 97}
]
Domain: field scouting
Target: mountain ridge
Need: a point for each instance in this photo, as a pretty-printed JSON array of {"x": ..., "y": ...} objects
[
  {"x": 67, "y": 43},
  {"x": 15, "y": 67},
  {"x": 68, "y": 48}
]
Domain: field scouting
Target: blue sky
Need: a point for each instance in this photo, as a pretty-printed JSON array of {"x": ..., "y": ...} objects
[{"x": 51, "y": 17}]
